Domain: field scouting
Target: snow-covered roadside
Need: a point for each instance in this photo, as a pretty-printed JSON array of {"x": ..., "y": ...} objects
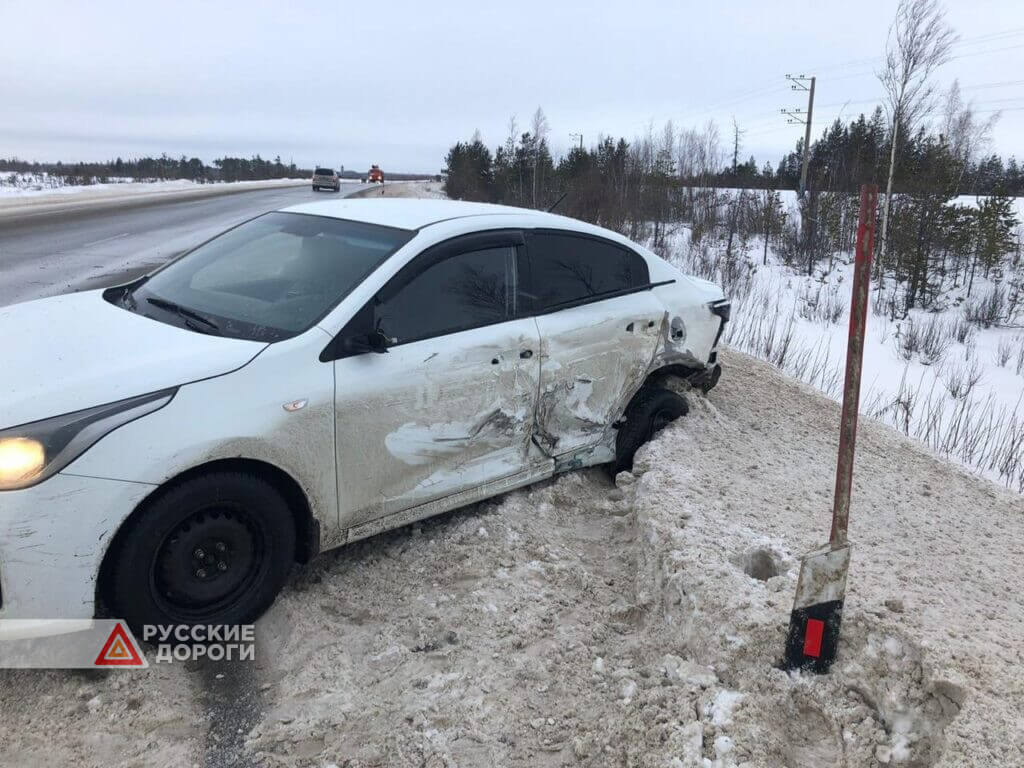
[
  {"x": 963, "y": 397},
  {"x": 927, "y": 673},
  {"x": 580, "y": 623},
  {"x": 30, "y": 202},
  {"x": 421, "y": 189}
]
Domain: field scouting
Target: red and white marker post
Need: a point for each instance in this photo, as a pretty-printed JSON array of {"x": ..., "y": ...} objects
[{"x": 818, "y": 608}]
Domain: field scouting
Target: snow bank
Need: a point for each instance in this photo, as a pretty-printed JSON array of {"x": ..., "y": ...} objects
[
  {"x": 579, "y": 622},
  {"x": 31, "y": 199}
]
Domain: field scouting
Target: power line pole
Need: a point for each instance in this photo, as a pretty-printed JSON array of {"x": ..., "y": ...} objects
[
  {"x": 802, "y": 83},
  {"x": 577, "y": 136}
]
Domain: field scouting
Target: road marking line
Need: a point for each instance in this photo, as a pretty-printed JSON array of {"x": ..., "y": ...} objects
[{"x": 106, "y": 239}]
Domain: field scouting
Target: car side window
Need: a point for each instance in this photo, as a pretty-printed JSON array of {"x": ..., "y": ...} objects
[
  {"x": 463, "y": 291},
  {"x": 569, "y": 269}
]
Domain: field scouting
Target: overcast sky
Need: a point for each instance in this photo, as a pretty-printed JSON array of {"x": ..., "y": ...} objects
[{"x": 395, "y": 83}]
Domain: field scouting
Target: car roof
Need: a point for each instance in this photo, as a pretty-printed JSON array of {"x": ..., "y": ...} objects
[{"x": 417, "y": 213}]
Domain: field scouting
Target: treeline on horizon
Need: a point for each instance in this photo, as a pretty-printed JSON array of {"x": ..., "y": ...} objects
[
  {"x": 648, "y": 187},
  {"x": 163, "y": 168},
  {"x": 844, "y": 157},
  {"x": 166, "y": 168}
]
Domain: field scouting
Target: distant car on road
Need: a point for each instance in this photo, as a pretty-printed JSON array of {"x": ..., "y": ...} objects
[
  {"x": 316, "y": 375},
  {"x": 326, "y": 178},
  {"x": 375, "y": 175}
]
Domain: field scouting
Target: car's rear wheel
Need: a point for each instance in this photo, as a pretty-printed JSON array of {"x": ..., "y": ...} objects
[
  {"x": 651, "y": 410},
  {"x": 214, "y": 549},
  {"x": 316, "y": 188}
]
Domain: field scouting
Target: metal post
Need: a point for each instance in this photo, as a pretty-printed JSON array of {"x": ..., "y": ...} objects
[
  {"x": 814, "y": 623},
  {"x": 854, "y": 360}
]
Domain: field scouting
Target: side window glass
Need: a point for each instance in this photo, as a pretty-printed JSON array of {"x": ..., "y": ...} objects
[
  {"x": 465, "y": 291},
  {"x": 567, "y": 269}
]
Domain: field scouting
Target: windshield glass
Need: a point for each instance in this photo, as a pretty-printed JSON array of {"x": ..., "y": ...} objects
[{"x": 268, "y": 279}]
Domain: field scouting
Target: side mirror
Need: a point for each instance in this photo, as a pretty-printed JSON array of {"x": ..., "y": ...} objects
[
  {"x": 358, "y": 344},
  {"x": 358, "y": 337},
  {"x": 378, "y": 342}
]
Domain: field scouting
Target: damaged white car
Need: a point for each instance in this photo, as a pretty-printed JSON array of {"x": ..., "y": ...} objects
[{"x": 170, "y": 447}]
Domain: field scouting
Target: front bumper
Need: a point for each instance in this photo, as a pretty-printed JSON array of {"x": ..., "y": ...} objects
[{"x": 52, "y": 540}]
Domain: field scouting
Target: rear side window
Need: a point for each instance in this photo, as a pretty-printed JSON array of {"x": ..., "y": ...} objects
[
  {"x": 464, "y": 291},
  {"x": 568, "y": 269}
]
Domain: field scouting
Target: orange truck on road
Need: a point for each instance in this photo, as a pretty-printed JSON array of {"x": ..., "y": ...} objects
[{"x": 376, "y": 175}]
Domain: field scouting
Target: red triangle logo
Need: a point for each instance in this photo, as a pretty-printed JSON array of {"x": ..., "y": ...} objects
[{"x": 119, "y": 650}]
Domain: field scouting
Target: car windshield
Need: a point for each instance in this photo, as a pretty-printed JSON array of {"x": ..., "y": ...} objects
[{"x": 267, "y": 279}]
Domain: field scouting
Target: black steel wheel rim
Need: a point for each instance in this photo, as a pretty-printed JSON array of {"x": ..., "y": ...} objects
[{"x": 208, "y": 562}]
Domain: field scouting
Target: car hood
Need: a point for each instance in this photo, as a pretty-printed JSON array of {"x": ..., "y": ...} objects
[{"x": 77, "y": 351}]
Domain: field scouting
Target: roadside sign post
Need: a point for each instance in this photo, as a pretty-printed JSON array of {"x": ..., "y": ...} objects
[{"x": 814, "y": 623}]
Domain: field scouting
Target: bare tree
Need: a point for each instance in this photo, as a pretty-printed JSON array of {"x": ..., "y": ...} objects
[
  {"x": 963, "y": 133},
  {"x": 919, "y": 42},
  {"x": 737, "y": 143},
  {"x": 540, "y": 133}
]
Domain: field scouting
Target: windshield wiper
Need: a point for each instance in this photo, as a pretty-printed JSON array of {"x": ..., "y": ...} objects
[{"x": 185, "y": 312}]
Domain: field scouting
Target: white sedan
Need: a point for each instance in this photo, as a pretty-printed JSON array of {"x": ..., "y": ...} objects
[{"x": 170, "y": 447}]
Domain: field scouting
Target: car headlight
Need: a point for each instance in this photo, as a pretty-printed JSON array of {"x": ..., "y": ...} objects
[{"x": 33, "y": 452}]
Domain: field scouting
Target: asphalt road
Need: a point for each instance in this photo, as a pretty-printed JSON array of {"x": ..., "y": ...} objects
[{"x": 46, "y": 256}]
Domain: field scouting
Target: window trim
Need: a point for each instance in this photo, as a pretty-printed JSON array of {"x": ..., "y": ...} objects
[
  {"x": 538, "y": 310},
  {"x": 420, "y": 263}
]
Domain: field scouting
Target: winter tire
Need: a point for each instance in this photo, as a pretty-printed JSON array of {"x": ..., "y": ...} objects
[{"x": 214, "y": 549}]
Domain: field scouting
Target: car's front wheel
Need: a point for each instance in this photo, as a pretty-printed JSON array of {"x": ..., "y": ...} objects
[
  {"x": 653, "y": 409},
  {"x": 214, "y": 549}
]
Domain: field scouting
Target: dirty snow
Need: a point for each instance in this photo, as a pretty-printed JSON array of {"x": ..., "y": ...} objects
[
  {"x": 421, "y": 189},
  {"x": 580, "y": 622}
]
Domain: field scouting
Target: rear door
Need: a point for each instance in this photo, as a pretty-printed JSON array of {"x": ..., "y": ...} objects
[
  {"x": 451, "y": 404},
  {"x": 599, "y": 326}
]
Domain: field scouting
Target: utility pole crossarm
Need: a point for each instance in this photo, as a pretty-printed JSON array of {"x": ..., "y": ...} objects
[
  {"x": 794, "y": 116},
  {"x": 802, "y": 83}
]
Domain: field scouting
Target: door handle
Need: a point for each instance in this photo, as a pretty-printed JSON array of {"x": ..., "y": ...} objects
[{"x": 526, "y": 354}]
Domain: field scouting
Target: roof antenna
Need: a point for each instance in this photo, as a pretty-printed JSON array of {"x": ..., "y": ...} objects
[{"x": 555, "y": 204}]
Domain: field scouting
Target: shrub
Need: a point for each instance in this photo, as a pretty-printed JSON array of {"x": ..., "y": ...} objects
[
  {"x": 927, "y": 340},
  {"x": 987, "y": 310}
]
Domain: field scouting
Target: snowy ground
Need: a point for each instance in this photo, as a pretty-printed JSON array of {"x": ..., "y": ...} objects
[
  {"x": 967, "y": 404},
  {"x": 22, "y": 185},
  {"x": 30, "y": 198},
  {"x": 580, "y": 623},
  {"x": 428, "y": 189}
]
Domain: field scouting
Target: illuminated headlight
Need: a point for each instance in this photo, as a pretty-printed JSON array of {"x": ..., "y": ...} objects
[
  {"x": 33, "y": 452},
  {"x": 22, "y": 460}
]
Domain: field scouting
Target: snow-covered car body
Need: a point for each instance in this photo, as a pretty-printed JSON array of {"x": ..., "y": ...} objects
[{"x": 410, "y": 396}]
